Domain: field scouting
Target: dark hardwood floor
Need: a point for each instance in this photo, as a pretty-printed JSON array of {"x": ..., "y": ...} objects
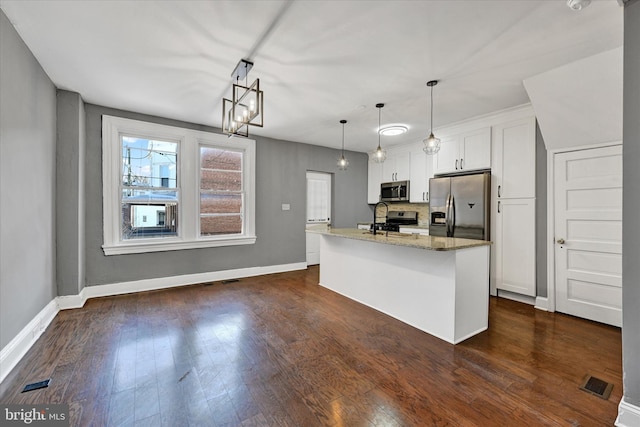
[{"x": 279, "y": 350}]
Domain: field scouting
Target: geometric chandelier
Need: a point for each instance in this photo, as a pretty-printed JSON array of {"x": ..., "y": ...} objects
[{"x": 245, "y": 107}]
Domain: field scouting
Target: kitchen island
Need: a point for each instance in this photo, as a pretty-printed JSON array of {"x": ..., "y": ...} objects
[{"x": 439, "y": 285}]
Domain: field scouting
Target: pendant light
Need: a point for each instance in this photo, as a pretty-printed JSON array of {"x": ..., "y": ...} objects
[
  {"x": 343, "y": 163},
  {"x": 431, "y": 144},
  {"x": 379, "y": 156}
]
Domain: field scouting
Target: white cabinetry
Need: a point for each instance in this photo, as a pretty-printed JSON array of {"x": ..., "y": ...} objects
[
  {"x": 464, "y": 152},
  {"x": 515, "y": 247},
  {"x": 513, "y": 193},
  {"x": 421, "y": 170},
  {"x": 374, "y": 179},
  {"x": 396, "y": 166},
  {"x": 414, "y": 230},
  {"x": 514, "y": 159}
]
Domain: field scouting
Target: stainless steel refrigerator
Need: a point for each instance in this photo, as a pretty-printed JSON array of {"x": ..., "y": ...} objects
[{"x": 459, "y": 206}]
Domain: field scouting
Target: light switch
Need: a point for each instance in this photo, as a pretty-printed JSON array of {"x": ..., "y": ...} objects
[{"x": 286, "y": 206}]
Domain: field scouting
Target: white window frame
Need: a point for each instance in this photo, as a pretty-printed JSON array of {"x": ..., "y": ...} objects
[{"x": 188, "y": 177}]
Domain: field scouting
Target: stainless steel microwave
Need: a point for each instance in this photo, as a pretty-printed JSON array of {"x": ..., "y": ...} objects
[{"x": 397, "y": 191}]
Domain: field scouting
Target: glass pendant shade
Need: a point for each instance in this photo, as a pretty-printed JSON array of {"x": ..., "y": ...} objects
[
  {"x": 343, "y": 163},
  {"x": 379, "y": 156},
  {"x": 431, "y": 144}
]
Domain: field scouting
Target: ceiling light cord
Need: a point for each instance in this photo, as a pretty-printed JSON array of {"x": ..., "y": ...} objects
[
  {"x": 379, "y": 114},
  {"x": 431, "y": 130}
]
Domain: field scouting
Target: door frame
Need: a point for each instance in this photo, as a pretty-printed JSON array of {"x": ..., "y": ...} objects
[{"x": 549, "y": 303}]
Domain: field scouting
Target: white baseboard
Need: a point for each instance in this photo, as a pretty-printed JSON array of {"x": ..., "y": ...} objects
[
  {"x": 542, "y": 303},
  {"x": 526, "y": 299},
  {"x": 628, "y": 415},
  {"x": 13, "y": 352},
  {"x": 78, "y": 301}
]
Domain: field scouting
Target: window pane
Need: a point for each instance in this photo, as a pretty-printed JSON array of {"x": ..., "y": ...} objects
[
  {"x": 148, "y": 214},
  {"x": 220, "y": 180},
  {"x": 221, "y": 197},
  {"x": 317, "y": 200},
  {"x": 149, "y": 163},
  {"x": 220, "y": 203},
  {"x": 215, "y": 158},
  {"x": 211, "y": 225}
]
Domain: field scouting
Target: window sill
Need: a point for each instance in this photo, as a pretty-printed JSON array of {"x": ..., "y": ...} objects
[{"x": 175, "y": 245}]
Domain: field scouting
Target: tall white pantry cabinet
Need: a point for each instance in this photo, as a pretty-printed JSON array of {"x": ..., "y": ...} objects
[{"x": 514, "y": 204}]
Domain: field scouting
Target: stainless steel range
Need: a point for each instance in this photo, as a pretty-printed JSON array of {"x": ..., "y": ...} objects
[{"x": 396, "y": 219}]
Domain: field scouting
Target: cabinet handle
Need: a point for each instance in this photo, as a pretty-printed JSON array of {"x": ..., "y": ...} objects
[
  {"x": 423, "y": 196},
  {"x": 499, "y": 187},
  {"x": 456, "y": 164},
  {"x": 461, "y": 167},
  {"x": 427, "y": 197},
  {"x": 498, "y": 206}
]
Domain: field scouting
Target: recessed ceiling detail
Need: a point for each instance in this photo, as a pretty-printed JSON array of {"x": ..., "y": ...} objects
[{"x": 393, "y": 130}]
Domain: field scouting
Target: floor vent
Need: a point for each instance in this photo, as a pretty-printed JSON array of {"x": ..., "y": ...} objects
[
  {"x": 36, "y": 386},
  {"x": 596, "y": 386},
  {"x": 224, "y": 282}
]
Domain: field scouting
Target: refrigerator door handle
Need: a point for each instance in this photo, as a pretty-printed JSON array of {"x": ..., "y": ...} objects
[
  {"x": 447, "y": 213},
  {"x": 452, "y": 215}
]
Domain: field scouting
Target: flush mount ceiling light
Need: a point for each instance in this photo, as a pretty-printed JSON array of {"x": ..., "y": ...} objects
[
  {"x": 393, "y": 130},
  {"x": 379, "y": 156},
  {"x": 244, "y": 109},
  {"x": 578, "y": 4},
  {"x": 343, "y": 163},
  {"x": 431, "y": 144}
]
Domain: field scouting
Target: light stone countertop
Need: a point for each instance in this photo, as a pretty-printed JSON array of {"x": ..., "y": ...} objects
[{"x": 430, "y": 243}]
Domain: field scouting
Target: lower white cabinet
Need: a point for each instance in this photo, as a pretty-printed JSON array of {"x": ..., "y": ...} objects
[
  {"x": 413, "y": 230},
  {"x": 374, "y": 181},
  {"x": 515, "y": 246}
]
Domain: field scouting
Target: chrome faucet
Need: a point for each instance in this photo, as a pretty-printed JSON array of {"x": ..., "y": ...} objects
[{"x": 375, "y": 208}]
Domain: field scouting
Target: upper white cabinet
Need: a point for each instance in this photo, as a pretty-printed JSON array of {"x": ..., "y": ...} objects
[
  {"x": 421, "y": 171},
  {"x": 396, "y": 166},
  {"x": 374, "y": 180},
  {"x": 464, "y": 152},
  {"x": 514, "y": 153}
]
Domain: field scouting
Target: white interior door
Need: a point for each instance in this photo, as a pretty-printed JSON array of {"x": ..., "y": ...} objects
[
  {"x": 588, "y": 233},
  {"x": 318, "y": 211}
]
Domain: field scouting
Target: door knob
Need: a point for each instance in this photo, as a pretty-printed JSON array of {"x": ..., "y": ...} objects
[{"x": 560, "y": 241}]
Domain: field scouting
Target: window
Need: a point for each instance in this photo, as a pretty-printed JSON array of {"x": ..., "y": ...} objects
[
  {"x": 318, "y": 197},
  {"x": 197, "y": 186}
]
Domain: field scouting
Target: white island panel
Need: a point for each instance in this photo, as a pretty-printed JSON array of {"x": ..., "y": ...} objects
[{"x": 444, "y": 293}]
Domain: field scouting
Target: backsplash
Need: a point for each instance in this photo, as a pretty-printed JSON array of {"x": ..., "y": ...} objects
[{"x": 421, "y": 208}]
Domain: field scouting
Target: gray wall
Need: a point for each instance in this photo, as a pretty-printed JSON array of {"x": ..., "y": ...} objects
[
  {"x": 631, "y": 206},
  {"x": 541, "y": 215},
  {"x": 70, "y": 159},
  {"x": 281, "y": 168},
  {"x": 27, "y": 185}
]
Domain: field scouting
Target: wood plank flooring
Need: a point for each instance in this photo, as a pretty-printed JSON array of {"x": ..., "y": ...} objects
[{"x": 279, "y": 350}]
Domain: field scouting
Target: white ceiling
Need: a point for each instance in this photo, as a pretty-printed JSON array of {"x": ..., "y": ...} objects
[{"x": 318, "y": 61}]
